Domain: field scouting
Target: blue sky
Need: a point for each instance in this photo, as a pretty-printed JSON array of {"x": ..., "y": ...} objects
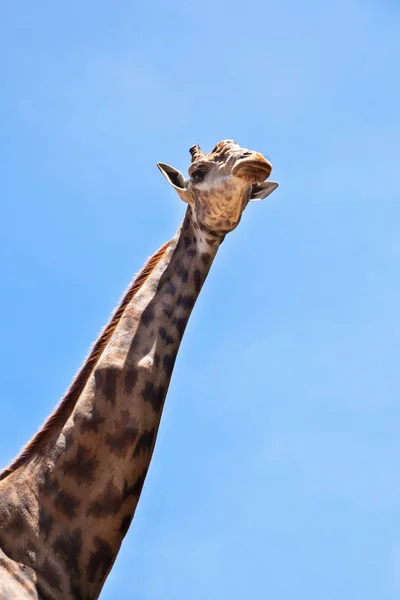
[{"x": 276, "y": 469}]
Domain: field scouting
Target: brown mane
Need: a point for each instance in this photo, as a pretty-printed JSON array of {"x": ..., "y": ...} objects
[{"x": 67, "y": 404}]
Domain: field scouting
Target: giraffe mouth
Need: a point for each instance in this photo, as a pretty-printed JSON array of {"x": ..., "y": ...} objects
[{"x": 257, "y": 170}]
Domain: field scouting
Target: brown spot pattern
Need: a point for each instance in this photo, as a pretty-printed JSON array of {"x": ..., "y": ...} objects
[
  {"x": 110, "y": 384},
  {"x": 180, "y": 324},
  {"x": 107, "y": 503},
  {"x": 81, "y": 466},
  {"x": 98, "y": 379},
  {"x": 49, "y": 485},
  {"x": 168, "y": 339},
  {"x": 66, "y": 503},
  {"x": 64, "y": 410},
  {"x": 92, "y": 421},
  {"x": 136, "y": 488},
  {"x": 53, "y": 578},
  {"x": 197, "y": 279},
  {"x": 167, "y": 309},
  {"x": 46, "y": 522},
  {"x": 183, "y": 274},
  {"x": 125, "y": 524},
  {"x": 145, "y": 442},
  {"x": 124, "y": 436},
  {"x": 67, "y": 547},
  {"x": 187, "y": 302},
  {"x": 168, "y": 363},
  {"x": 100, "y": 561},
  {"x": 148, "y": 315},
  {"x": 130, "y": 379},
  {"x": 154, "y": 394},
  {"x": 171, "y": 289}
]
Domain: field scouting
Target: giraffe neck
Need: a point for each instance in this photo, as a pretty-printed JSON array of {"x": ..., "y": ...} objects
[{"x": 80, "y": 494}]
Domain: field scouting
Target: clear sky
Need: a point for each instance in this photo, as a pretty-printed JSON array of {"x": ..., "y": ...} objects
[{"x": 276, "y": 472}]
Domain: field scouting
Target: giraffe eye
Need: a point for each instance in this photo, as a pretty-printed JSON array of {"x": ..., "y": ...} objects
[{"x": 198, "y": 176}]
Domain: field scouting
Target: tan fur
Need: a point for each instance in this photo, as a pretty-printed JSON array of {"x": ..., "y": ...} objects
[
  {"x": 64, "y": 409},
  {"x": 67, "y": 501}
]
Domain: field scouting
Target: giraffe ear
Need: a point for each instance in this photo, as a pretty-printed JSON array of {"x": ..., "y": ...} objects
[
  {"x": 176, "y": 179},
  {"x": 259, "y": 191}
]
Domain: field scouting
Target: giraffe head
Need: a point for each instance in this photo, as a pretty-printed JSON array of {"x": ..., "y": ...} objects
[{"x": 221, "y": 184}]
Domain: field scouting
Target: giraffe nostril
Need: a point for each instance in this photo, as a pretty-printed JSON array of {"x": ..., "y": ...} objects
[{"x": 244, "y": 154}]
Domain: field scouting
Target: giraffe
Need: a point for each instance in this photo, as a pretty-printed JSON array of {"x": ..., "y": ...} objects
[{"x": 68, "y": 499}]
